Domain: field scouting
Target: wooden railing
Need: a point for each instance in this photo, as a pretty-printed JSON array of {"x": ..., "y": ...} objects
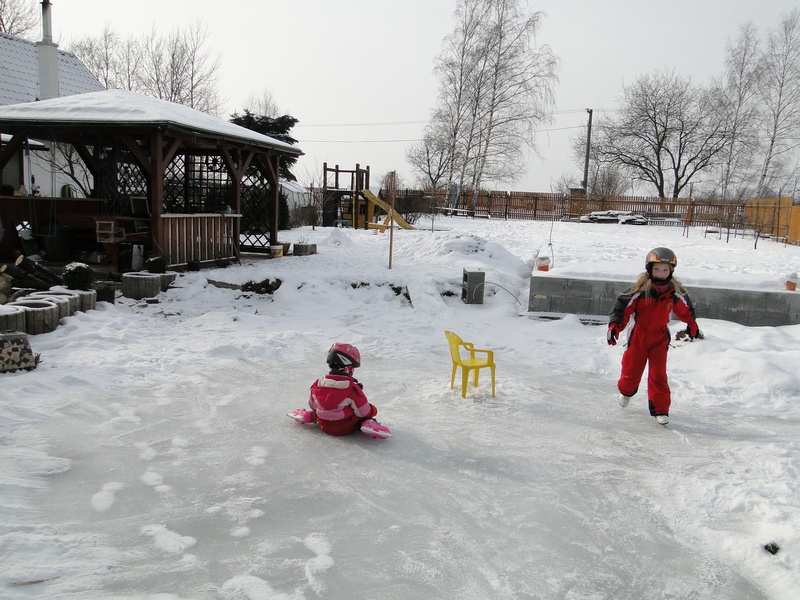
[{"x": 199, "y": 237}]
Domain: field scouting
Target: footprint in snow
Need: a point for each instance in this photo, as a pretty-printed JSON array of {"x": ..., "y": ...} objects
[{"x": 104, "y": 499}]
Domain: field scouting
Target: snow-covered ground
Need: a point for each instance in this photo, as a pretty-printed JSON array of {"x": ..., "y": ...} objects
[{"x": 149, "y": 456}]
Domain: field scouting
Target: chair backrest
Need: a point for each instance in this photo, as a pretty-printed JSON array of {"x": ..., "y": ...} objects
[{"x": 453, "y": 341}]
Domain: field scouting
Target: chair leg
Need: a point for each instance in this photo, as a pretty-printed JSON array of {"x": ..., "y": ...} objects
[
  {"x": 453, "y": 375},
  {"x": 464, "y": 381},
  {"x": 492, "y": 381},
  {"x": 475, "y": 377}
]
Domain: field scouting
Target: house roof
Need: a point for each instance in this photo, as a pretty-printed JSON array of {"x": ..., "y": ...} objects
[
  {"x": 119, "y": 108},
  {"x": 19, "y": 72}
]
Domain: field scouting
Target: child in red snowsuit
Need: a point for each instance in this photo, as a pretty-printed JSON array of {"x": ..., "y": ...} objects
[
  {"x": 651, "y": 300},
  {"x": 338, "y": 401}
]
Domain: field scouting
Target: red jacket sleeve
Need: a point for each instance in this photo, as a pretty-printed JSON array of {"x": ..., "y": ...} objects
[
  {"x": 361, "y": 405},
  {"x": 623, "y": 309},
  {"x": 684, "y": 310}
]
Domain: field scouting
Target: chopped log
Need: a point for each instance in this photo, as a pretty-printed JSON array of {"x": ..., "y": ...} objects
[
  {"x": 139, "y": 285},
  {"x": 12, "y": 318},
  {"x": 23, "y": 279},
  {"x": 37, "y": 270},
  {"x": 87, "y": 299},
  {"x": 61, "y": 302},
  {"x": 16, "y": 353},
  {"x": 41, "y": 316}
]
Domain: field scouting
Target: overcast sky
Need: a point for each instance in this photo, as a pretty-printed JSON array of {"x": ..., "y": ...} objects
[{"x": 371, "y": 61}]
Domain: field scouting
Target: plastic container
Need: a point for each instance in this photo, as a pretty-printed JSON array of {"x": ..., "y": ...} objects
[{"x": 542, "y": 263}]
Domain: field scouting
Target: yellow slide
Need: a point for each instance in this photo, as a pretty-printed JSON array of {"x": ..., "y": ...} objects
[{"x": 398, "y": 218}]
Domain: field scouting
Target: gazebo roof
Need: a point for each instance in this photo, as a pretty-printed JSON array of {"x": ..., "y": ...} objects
[{"x": 119, "y": 108}]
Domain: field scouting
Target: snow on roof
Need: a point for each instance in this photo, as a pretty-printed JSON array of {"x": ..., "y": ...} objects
[
  {"x": 120, "y": 107},
  {"x": 292, "y": 186},
  {"x": 19, "y": 72}
]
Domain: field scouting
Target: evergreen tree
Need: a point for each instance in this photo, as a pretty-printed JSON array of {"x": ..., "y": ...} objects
[{"x": 276, "y": 127}]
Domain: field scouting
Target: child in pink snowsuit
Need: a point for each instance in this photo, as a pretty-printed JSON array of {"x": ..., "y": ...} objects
[{"x": 337, "y": 399}]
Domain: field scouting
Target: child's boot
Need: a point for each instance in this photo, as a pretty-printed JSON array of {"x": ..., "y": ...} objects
[
  {"x": 623, "y": 400},
  {"x": 376, "y": 430},
  {"x": 662, "y": 419},
  {"x": 302, "y": 415}
]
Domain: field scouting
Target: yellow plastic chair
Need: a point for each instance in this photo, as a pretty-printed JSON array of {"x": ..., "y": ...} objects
[{"x": 468, "y": 364}]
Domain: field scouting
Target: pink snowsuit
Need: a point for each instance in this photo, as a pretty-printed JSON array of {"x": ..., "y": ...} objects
[{"x": 339, "y": 404}]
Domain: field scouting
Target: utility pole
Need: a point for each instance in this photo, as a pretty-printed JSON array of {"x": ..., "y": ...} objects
[{"x": 588, "y": 147}]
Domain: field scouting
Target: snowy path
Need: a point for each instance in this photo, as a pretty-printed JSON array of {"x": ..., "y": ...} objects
[{"x": 190, "y": 480}]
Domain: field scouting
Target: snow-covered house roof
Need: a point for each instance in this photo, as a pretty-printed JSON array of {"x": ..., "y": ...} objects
[
  {"x": 121, "y": 108},
  {"x": 19, "y": 72}
]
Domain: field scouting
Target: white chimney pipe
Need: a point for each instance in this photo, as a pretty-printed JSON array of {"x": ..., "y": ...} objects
[{"x": 47, "y": 23}]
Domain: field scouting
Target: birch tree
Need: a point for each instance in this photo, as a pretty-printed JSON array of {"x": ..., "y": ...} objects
[
  {"x": 780, "y": 95},
  {"x": 739, "y": 101}
]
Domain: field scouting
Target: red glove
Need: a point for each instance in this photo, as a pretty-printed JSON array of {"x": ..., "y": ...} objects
[{"x": 612, "y": 334}]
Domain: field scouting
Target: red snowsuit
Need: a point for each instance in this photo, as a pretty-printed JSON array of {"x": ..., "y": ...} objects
[
  {"x": 649, "y": 340},
  {"x": 339, "y": 404}
]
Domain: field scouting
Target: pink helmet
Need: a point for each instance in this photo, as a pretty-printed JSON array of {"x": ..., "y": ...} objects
[{"x": 343, "y": 357}]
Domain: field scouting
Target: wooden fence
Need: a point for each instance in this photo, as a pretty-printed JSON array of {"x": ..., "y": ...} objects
[
  {"x": 199, "y": 238},
  {"x": 779, "y": 218}
]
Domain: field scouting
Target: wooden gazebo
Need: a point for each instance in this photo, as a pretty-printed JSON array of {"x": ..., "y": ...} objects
[{"x": 183, "y": 182}]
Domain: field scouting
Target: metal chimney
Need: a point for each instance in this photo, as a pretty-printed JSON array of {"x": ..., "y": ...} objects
[
  {"x": 48, "y": 56},
  {"x": 47, "y": 23}
]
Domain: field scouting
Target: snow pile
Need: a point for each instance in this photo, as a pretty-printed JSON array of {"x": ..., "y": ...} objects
[{"x": 150, "y": 457}]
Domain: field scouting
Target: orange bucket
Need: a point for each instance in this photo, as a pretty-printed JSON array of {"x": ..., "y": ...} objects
[{"x": 791, "y": 285}]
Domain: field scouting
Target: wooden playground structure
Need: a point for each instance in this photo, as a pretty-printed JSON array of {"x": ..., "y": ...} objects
[{"x": 352, "y": 204}]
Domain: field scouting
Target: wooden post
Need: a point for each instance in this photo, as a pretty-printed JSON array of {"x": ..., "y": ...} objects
[
  {"x": 392, "y": 192},
  {"x": 156, "y": 188},
  {"x": 356, "y": 196},
  {"x": 276, "y": 198}
]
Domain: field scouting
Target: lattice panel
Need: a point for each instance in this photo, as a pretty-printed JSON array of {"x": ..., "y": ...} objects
[
  {"x": 197, "y": 184},
  {"x": 255, "y": 209}
]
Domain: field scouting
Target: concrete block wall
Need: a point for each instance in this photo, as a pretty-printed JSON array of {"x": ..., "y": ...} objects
[{"x": 549, "y": 293}]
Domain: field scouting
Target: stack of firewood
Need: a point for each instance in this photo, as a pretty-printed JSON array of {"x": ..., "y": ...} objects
[{"x": 23, "y": 276}]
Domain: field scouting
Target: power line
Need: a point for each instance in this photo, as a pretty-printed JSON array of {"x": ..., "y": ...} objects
[
  {"x": 387, "y": 141},
  {"x": 423, "y": 121}
]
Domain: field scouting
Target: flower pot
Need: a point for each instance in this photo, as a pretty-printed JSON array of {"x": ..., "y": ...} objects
[
  {"x": 276, "y": 251},
  {"x": 304, "y": 249}
]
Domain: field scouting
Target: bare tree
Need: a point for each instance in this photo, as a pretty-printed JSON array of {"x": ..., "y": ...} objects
[
  {"x": 178, "y": 67},
  {"x": 430, "y": 158},
  {"x": 99, "y": 54},
  {"x": 263, "y": 104},
  {"x": 520, "y": 89},
  {"x": 495, "y": 87},
  {"x": 18, "y": 17},
  {"x": 667, "y": 133},
  {"x": 455, "y": 66},
  {"x": 738, "y": 95},
  {"x": 780, "y": 93}
]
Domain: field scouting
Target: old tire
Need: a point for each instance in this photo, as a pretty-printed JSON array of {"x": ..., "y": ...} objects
[
  {"x": 167, "y": 279},
  {"x": 87, "y": 299},
  {"x": 61, "y": 303},
  {"x": 138, "y": 285},
  {"x": 41, "y": 315},
  {"x": 69, "y": 295},
  {"x": 12, "y": 318}
]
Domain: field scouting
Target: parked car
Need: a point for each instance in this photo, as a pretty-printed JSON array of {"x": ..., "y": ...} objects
[
  {"x": 633, "y": 220},
  {"x": 603, "y": 216}
]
